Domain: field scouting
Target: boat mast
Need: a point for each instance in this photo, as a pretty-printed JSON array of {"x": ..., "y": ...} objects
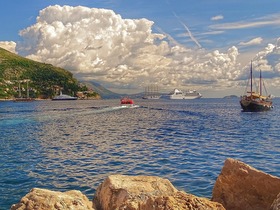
[
  {"x": 251, "y": 78},
  {"x": 27, "y": 89},
  {"x": 260, "y": 82},
  {"x": 19, "y": 89}
]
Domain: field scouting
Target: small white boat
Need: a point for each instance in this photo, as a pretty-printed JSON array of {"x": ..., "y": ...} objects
[
  {"x": 64, "y": 97},
  {"x": 179, "y": 94}
]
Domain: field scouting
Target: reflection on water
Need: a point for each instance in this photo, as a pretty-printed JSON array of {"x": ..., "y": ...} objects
[{"x": 77, "y": 144}]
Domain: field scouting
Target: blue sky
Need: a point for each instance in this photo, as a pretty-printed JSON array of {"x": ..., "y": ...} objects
[
  {"x": 196, "y": 14},
  {"x": 198, "y": 25}
]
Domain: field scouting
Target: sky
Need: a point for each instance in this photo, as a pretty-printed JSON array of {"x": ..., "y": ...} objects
[{"x": 127, "y": 45}]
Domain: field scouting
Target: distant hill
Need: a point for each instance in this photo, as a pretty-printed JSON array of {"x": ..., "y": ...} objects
[
  {"x": 44, "y": 79},
  {"x": 103, "y": 92},
  {"x": 107, "y": 94}
]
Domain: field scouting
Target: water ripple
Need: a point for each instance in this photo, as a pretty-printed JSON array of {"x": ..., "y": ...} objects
[{"x": 76, "y": 145}]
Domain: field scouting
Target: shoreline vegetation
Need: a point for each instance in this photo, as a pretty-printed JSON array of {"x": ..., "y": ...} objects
[
  {"x": 24, "y": 78},
  {"x": 47, "y": 99},
  {"x": 238, "y": 186}
]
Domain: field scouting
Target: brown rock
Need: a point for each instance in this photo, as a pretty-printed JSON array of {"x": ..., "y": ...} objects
[
  {"x": 239, "y": 186},
  {"x": 41, "y": 199},
  {"x": 145, "y": 193},
  {"x": 119, "y": 190},
  {"x": 276, "y": 203},
  {"x": 180, "y": 201}
]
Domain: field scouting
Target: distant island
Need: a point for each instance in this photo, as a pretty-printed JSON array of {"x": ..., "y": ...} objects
[{"x": 231, "y": 97}]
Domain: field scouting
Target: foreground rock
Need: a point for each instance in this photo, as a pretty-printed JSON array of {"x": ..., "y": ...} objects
[
  {"x": 144, "y": 193},
  {"x": 276, "y": 203},
  {"x": 42, "y": 199},
  {"x": 239, "y": 186}
]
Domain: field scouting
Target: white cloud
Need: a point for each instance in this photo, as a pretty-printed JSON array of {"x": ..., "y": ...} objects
[
  {"x": 268, "y": 61},
  {"x": 99, "y": 44},
  {"x": 212, "y": 32},
  {"x": 218, "y": 17},
  {"x": 254, "y": 41},
  {"x": 253, "y": 23},
  {"x": 10, "y": 46}
]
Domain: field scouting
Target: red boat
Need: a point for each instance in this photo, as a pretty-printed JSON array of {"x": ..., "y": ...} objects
[{"x": 126, "y": 101}]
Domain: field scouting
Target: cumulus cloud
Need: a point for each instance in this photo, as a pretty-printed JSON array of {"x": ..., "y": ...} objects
[
  {"x": 218, "y": 17},
  {"x": 10, "y": 46},
  {"x": 254, "y": 41},
  {"x": 268, "y": 61},
  {"x": 98, "y": 44}
]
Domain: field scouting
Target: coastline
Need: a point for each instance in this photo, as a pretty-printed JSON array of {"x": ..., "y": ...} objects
[
  {"x": 184, "y": 141},
  {"x": 237, "y": 187}
]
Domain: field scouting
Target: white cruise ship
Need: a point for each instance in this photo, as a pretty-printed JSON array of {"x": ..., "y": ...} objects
[{"x": 179, "y": 94}]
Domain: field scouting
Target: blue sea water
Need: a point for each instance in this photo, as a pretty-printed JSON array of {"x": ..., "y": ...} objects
[{"x": 76, "y": 144}]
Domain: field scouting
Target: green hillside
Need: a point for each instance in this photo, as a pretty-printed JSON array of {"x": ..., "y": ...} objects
[{"x": 43, "y": 80}]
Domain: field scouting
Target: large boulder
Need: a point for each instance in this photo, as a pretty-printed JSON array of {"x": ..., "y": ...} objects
[
  {"x": 43, "y": 199},
  {"x": 239, "y": 186},
  {"x": 145, "y": 193}
]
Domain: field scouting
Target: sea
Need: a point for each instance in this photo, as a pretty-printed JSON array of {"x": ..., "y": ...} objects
[{"x": 76, "y": 145}]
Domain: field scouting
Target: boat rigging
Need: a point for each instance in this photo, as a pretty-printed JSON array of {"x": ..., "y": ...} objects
[{"x": 255, "y": 101}]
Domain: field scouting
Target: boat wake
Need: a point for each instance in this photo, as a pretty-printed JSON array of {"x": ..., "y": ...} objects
[
  {"x": 55, "y": 114},
  {"x": 114, "y": 108}
]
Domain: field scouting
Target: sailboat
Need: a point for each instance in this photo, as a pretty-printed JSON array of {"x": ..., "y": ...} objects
[
  {"x": 152, "y": 92},
  {"x": 20, "y": 98},
  {"x": 255, "y": 101}
]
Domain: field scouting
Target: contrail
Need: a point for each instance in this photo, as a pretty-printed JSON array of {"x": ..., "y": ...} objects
[
  {"x": 188, "y": 30},
  {"x": 172, "y": 40}
]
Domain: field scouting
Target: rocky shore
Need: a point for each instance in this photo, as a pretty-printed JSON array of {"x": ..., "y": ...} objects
[{"x": 238, "y": 187}]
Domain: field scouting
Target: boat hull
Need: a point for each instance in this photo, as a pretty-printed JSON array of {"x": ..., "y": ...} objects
[
  {"x": 184, "y": 97},
  {"x": 65, "y": 99},
  {"x": 255, "y": 106},
  {"x": 151, "y": 97},
  {"x": 178, "y": 94},
  {"x": 128, "y": 103},
  {"x": 24, "y": 99}
]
